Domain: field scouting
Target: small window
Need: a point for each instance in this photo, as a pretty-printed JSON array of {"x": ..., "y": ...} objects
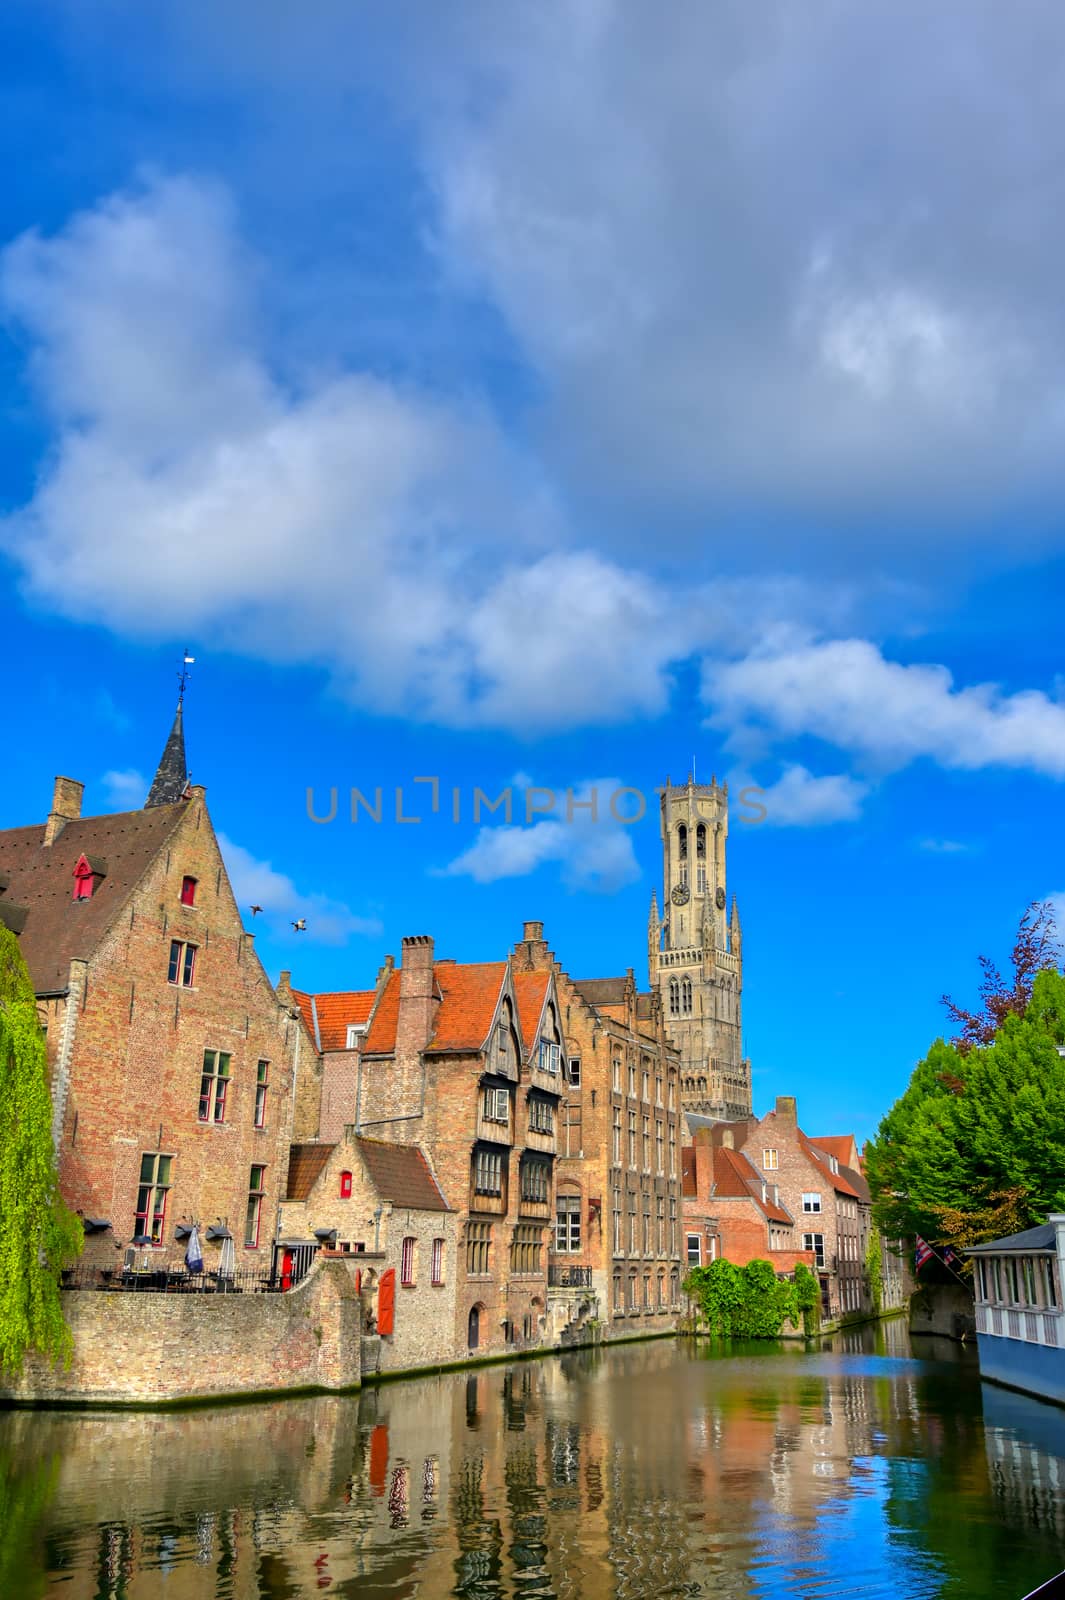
[
  {"x": 436, "y": 1271},
  {"x": 567, "y": 1224},
  {"x": 345, "y": 1186},
  {"x": 354, "y": 1033},
  {"x": 262, "y": 1089},
  {"x": 769, "y": 1160},
  {"x": 188, "y": 891},
  {"x": 811, "y": 1202},
  {"x": 816, "y": 1243},
  {"x": 575, "y": 1071},
  {"x": 256, "y": 1187},
  {"x": 695, "y": 1250},
  {"x": 182, "y": 968},
  {"x": 497, "y": 1105},
  {"x": 406, "y": 1269}
]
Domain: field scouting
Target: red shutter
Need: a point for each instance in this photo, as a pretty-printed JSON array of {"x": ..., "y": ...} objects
[{"x": 386, "y": 1302}]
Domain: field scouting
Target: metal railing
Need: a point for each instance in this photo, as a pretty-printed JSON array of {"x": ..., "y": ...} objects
[{"x": 160, "y": 1278}]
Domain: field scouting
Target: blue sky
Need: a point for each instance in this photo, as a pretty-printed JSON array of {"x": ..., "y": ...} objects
[{"x": 550, "y": 394}]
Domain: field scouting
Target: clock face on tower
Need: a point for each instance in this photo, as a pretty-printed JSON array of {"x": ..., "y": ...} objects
[
  {"x": 679, "y": 896},
  {"x": 720, "y": 898}
]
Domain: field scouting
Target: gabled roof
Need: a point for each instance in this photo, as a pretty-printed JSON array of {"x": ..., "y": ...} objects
[
  {"x": 467, "y": 994},
  {"x": 400, "y": 1173},
  {"x": 844, "y": 1181},
  {"x": 57, "y": 928},
  {"x": 306, "y": 1163},
  {"x": 328, "y": 1016},
  {"x": 530, "y": 991},
  {"x": 841, "y": 1145},
  {"x": 735, "y": 1177}
]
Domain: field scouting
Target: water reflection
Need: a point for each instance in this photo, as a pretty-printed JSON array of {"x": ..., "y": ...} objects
[{"x": 745, "y": 1473}]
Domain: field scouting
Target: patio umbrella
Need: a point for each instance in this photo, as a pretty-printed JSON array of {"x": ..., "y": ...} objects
[
  {"x": 193, "y": 1253},
  {"x": 227, "y": 1265}
]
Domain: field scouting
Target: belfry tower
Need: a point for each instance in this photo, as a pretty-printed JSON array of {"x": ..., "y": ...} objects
[{"x": 695, "y": 952}]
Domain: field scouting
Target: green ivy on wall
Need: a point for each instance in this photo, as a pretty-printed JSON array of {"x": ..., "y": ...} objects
[
  {"x": 751, "y": 1302},
  {"x": 38, "y": 1235}
]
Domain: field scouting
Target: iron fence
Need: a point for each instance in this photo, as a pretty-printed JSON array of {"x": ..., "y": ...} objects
[
  {"x": 560, "y": 1277},
  {"x": 159, "y": 1278}
]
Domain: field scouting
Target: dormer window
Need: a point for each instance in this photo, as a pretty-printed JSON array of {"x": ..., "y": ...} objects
[
  {"x": 87, "y": 874},
  {"x": 355, "y": 1031},
  {"x": 188, "y": 891}
]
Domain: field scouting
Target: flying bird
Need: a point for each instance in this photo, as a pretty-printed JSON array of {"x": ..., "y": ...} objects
[
  {"x": 301, "y": 925},
  {"x": 255, "y": 910}
]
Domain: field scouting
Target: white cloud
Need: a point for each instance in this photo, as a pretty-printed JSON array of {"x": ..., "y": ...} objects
[
  {"x": 125, "y": 789},
  {"x": 798, "y": 799},
  {"x": 592, "y": 851},
  {"x": 845, "y": 692},
  {"x": 256, "y": 882},
  {"x": 944, "y": 847}
]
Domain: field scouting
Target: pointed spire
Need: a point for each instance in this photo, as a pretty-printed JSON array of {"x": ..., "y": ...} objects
[{"x": 171, "y": 777}]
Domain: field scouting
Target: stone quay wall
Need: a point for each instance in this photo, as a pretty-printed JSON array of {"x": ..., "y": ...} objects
[{"x": 146, "y": 1349}]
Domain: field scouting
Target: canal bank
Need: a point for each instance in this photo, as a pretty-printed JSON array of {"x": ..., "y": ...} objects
[{"x": 610, "y": 1473}]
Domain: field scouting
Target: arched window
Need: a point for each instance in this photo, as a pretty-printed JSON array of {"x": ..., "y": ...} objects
[
  {"x": 473, "y": 1328},
  {"x": 700, "y": 840},
  {"x": 345, "y": 1186},
  {"x": 686, "y": 997},
  {"x": 682, "y": 842},
  {"x": 674, "y": 997}
]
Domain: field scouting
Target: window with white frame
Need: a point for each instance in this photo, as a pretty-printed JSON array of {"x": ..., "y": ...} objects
[
  {"x": 497, "y": 1105},
  {"x": 816, "y": 1243},
  {"x": 811, "y": 1202},
  {"x": 567, "y": 1223},
  {"x": 770, "y": 1160},
  {"x": 574, "y": 1071},
  {"x": 550, "y": 1056},
  {"x": 695, "y": 1250}
]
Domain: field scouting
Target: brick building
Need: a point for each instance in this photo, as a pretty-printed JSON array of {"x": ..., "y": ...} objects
[
  {"x": 828, "y": 1198},
  {"x": 467, "y": 1063},
  {"x": 617, "y": 1196},
  {"x": 382, "y": 1201},
  {"x": 172, "y": 1060},
  {"x": 733, "y": 1211}
]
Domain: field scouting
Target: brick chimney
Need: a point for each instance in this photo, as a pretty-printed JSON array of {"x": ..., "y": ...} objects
[
  {"x": 66, "y": 807},
  {"x": 414, "y": 1025},
  {"x": 532, "y": 932},
  {"x": 786, "y": 1108},
  {"x": 284, "y": 988},
  {"x": 703, "y": 1143}
]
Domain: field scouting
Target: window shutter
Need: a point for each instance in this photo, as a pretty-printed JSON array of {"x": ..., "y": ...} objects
[{"x": 386, "y": 1302}]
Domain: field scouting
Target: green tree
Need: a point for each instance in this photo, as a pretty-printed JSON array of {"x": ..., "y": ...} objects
[
  {"x": 748, "y": 1302},
  {"x": 975, "y": 1148},
  {"x": 38, "y": 1235}
]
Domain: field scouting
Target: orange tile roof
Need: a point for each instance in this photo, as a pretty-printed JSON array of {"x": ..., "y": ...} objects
[
  {"x": 328, "y": 1015},
  {"x": 839, "y": 1181},
  {"x": 381, "y": 1037},
  {"x": 841, "y": 1145},
  {"x": 736, "y": 1177},
  {"x": 688, "y": 1186},
  {"x": 530, "y": 990},
  {"x": 469, "y": 997}
]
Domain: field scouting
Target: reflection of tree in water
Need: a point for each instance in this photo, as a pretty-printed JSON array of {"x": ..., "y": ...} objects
[{"x": 26, "y": 1488}]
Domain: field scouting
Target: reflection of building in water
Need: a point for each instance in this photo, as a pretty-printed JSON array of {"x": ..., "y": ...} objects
[{"x": 1025, "y": 1465}]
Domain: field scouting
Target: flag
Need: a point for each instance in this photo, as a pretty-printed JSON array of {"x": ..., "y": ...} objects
[
  {"x": 949, "y": 1257},
  {"x": 922, "y": 1253}
]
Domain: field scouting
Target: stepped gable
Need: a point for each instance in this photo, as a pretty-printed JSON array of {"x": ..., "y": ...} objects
[{"x": 56, "y": 928}]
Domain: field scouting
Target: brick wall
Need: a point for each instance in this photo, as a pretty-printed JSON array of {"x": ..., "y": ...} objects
[{"x": 144, "y": 1348}]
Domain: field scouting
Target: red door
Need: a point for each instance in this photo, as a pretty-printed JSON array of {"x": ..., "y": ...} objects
[{"x": 386, "y": 1301}]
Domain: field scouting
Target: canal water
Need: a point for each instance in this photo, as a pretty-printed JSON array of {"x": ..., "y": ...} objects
[{"x": 865, "y": 1468}]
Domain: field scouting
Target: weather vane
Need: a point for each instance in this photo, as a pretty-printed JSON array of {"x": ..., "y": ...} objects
[{"x": 184, "y": 675}]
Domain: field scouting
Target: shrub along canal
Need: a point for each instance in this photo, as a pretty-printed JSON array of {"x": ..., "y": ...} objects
[{"x": 863, "y": 1467}]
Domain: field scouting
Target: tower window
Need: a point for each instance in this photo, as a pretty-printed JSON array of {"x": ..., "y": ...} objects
[
  {"x": 682, "y": 842},
  {"x": 188, "y": 891},
  {"x": 674, "y": 997},
  {"x": 700, "y": 840},
  {"x": 686, "y": 997}
]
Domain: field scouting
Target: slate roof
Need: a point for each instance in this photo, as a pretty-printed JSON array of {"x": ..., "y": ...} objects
[
  {"x": 328, "y": 1015},
  {"x": 1041, "y": 1238},
  {"x": 602, "y": 991},
  {"x": 40, "y": 879},
  {"x": 171, "y": 777}
]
